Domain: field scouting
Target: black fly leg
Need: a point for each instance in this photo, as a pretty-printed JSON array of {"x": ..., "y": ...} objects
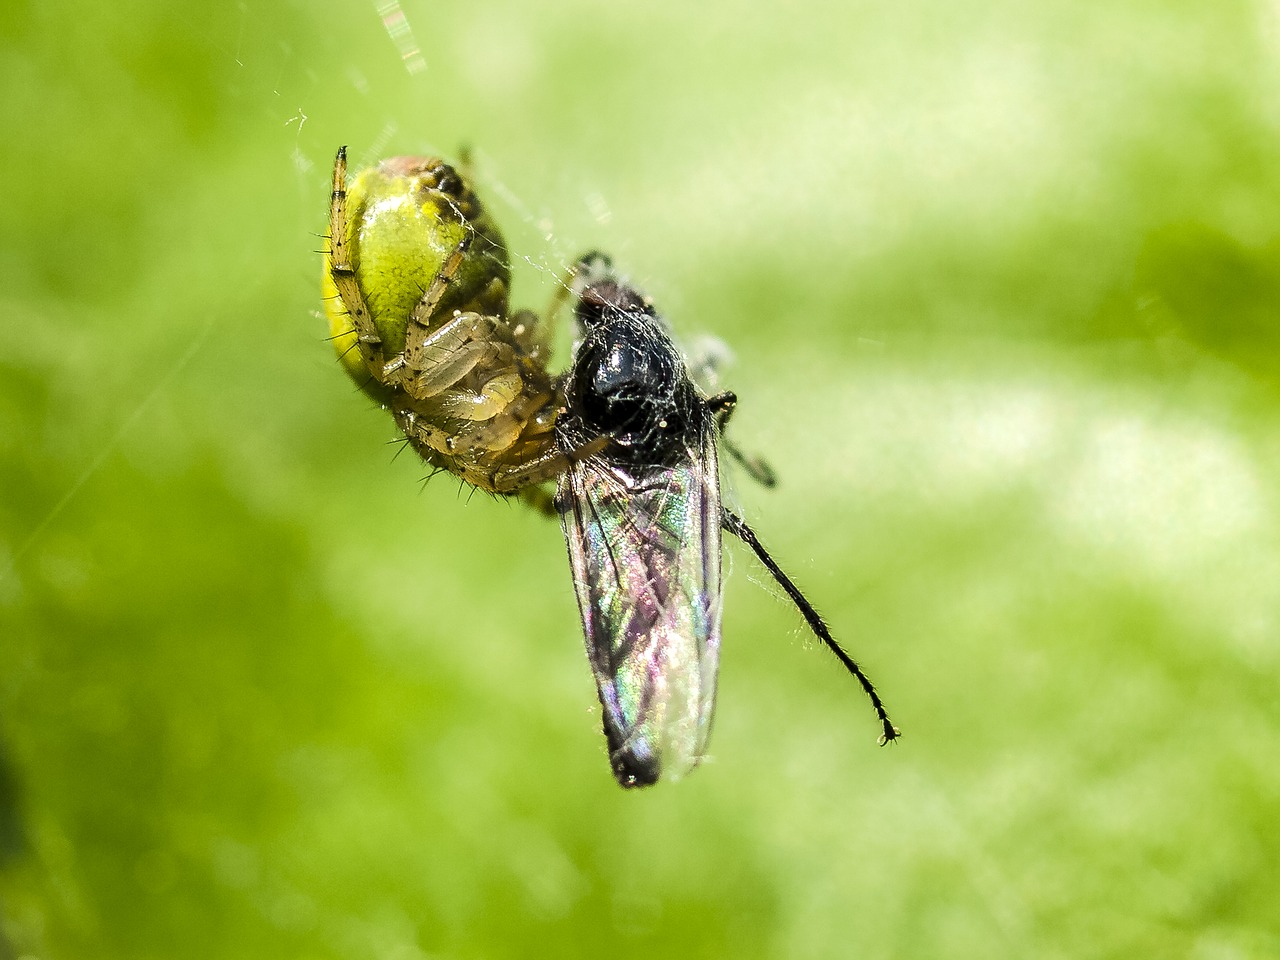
[
  {"x": 738, "y": 527},
  {"x": 722, "y": 406}
]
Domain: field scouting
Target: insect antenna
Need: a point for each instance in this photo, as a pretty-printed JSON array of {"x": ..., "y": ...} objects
[{"x": 738, "y": 527}]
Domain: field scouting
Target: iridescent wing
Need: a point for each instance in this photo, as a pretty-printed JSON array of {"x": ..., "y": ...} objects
[{"x": 644, "y": 546}]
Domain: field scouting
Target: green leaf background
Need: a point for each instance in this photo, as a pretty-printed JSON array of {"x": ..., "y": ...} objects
[{"x": 1001, "y": 281}]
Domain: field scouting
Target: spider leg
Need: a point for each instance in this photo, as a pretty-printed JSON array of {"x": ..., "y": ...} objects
[
  {"x": 418, "y": 328},
  {"x": 535, "y": 335},
  {"x": 442, "y": 357},
  {"x": 512, "y": 478},
  {"x": 343, "y": 274}
]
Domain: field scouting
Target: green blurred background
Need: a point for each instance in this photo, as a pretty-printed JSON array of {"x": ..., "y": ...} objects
[{"x": 1001, "y": 280}]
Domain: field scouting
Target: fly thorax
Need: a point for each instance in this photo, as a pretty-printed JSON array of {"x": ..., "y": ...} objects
[{"x": 629, "y": 382}]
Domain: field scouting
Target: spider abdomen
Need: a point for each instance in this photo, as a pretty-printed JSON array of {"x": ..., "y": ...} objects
[{"x": 416, "y": 292}]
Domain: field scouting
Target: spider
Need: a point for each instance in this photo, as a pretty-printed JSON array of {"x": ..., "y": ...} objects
[{"x": 416, "y": 291}]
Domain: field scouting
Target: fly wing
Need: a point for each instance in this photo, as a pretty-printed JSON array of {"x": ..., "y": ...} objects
[{"x": 644, "y": 546}]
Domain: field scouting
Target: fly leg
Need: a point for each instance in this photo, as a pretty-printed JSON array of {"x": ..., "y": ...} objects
[
  {"x": 722, "y": 406},
  {"x": 738, "y": 527}
]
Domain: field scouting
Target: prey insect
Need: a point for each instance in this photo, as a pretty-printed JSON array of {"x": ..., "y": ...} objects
[
  {"x": 642, "y": 520},
  {"x": 416, "y": 291}
]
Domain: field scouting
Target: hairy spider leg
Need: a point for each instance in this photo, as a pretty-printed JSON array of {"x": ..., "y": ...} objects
[
  {"x": 535, "y": 335},
  {"x": 418, "y": 333},
  {"x": 512, "y": 479},
  {"x": 440, "y": 359},
  {"x": 343, "y": 272}
]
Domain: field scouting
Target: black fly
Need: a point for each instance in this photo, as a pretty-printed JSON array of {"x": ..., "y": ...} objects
[{"x": 642, "y": 519}]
